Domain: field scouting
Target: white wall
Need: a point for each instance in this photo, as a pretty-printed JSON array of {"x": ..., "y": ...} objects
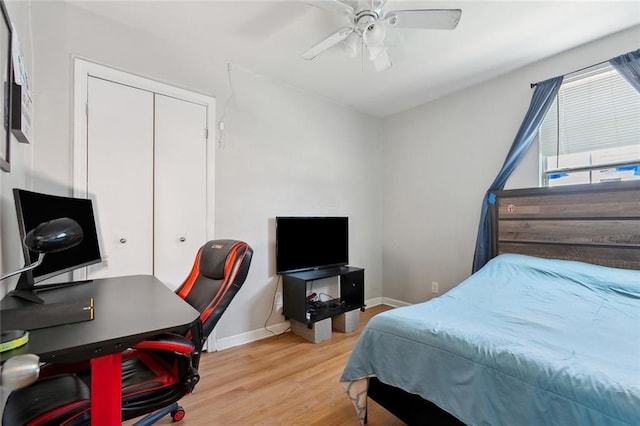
[
  {"x": 288, "y": 152},
  {"x": 20, "y": 158},
  {"x": 284, "y": 151},
  {"x": 284, "y": 154},
  {"x": 441, "y": 158}
]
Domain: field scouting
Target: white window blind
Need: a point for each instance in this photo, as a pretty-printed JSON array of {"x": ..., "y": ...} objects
[{"x": 593, "y": 111}]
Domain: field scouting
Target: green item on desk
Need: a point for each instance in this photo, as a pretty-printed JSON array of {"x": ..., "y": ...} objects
[{"x": 12, "y": 339}]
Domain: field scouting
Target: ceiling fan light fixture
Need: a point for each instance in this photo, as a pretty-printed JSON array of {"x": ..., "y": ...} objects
[
  {"x": 374, "y": 35},
  {"x": 375, "y": 51},
  {"x": 391, "y": 19},
  {"x": 381, "y": 60}
]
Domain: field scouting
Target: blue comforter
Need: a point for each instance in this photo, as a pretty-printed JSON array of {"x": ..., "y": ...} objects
[{"x": 524, "y": 341}]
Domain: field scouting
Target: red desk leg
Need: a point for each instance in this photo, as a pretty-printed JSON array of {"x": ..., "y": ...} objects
[{"x": 106, "y": 390}]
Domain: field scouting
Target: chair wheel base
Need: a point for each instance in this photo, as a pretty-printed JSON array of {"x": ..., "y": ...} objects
[{"x": 178, "y": 414}]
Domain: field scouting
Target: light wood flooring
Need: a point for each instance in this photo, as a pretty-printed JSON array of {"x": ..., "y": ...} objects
[{"x": 281, "y": 380}]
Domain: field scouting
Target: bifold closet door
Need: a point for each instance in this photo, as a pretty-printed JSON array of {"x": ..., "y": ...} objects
[
  {"x": 120, "y": 126},
  {"x": 147, "y": 175},
  {"x": 180, "y": 178}
]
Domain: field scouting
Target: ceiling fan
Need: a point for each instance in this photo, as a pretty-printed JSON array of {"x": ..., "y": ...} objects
[{"x": 368, "y": 23}]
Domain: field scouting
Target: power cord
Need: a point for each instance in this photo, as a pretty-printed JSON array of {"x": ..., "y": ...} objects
[
  {"x": 325, "y": 294},
  {"x": 224, "y": 108},
  {"x": 273, "y": 304}
]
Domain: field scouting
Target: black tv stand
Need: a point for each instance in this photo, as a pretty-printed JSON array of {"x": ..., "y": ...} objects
[{"x": 294, "y": 294}]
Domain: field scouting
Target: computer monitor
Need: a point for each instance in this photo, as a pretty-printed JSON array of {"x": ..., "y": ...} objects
[{"x": 32, "y": 209}]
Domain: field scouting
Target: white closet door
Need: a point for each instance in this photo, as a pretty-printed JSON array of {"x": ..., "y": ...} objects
[
  {"x": 180, "y": 208},
  {"x": 120, "y": 176}
]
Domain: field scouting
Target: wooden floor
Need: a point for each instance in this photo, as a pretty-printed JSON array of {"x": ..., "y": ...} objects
[{"x": 281, "y": 380}]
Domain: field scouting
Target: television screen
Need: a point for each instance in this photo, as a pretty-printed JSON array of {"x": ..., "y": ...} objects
[
  {"x": 311, "y": 242},
  {"x": 34, "y": 208}
]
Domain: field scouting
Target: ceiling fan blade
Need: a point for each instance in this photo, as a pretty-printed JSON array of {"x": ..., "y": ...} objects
[
  {"x": 433, "y": 19},
  {"x": 333, "y": 6},
  {"x": 328, "y": 42},
  {"x": 379, "y": 56},
  {"x": 378, "y": 4}
]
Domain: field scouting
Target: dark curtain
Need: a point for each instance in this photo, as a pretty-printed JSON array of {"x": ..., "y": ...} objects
[
  {"x": 543, "y": 96},
  {"x": 628, "y": 65}
]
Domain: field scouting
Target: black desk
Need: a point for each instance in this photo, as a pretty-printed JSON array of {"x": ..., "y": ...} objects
[{"x": 127, "y": 310}]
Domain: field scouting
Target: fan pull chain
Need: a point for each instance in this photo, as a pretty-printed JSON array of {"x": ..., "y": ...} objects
[{"x": 362, "y": 54}]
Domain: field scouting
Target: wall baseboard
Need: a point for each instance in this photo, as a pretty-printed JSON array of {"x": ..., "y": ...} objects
[
  {"x": 251, "y": 336},
  {"x": 373, "y": 302},
  {"x": 393, "y": 302}
]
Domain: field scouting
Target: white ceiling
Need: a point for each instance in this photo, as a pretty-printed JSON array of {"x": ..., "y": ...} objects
[{"x": 268, "y": 37}]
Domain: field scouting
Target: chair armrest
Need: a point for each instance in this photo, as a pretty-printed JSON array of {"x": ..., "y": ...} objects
[{"x": 168, "y": 342}]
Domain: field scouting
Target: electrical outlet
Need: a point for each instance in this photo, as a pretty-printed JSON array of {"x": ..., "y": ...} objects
[
  {"x": 278, "y": 301},
  {"x": 434, "y": 287}
]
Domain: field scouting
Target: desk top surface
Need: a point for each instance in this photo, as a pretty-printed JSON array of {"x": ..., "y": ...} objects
[{"x": 127, "y": 310}]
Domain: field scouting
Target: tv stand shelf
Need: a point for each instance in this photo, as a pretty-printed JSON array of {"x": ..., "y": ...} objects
[{"x": 295, "y": 287}]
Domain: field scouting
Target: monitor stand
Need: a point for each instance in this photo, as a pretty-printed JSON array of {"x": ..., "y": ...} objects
[
  {"x": 25, "y": 289},
  {"x": 27, "y": 295}
]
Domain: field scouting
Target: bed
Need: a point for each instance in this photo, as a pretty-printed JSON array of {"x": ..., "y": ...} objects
[{"x": 548, "y": 332}]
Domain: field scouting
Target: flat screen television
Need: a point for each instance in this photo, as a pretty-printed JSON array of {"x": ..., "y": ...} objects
[
  {"x": 304, "y": 243},
  {"x": 34, "y": 208}
]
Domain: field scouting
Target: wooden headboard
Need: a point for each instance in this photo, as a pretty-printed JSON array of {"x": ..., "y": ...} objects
[{"x": 598, "y": 223}]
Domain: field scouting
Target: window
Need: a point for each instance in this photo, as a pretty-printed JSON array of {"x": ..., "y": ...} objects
[{"x": 592, "y": 130}]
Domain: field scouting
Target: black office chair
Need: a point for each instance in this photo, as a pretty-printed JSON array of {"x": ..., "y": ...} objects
[{"x": 155, "y": 373}]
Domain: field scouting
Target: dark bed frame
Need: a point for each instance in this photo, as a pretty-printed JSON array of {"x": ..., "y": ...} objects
[{"x": 597, "y": 223}]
